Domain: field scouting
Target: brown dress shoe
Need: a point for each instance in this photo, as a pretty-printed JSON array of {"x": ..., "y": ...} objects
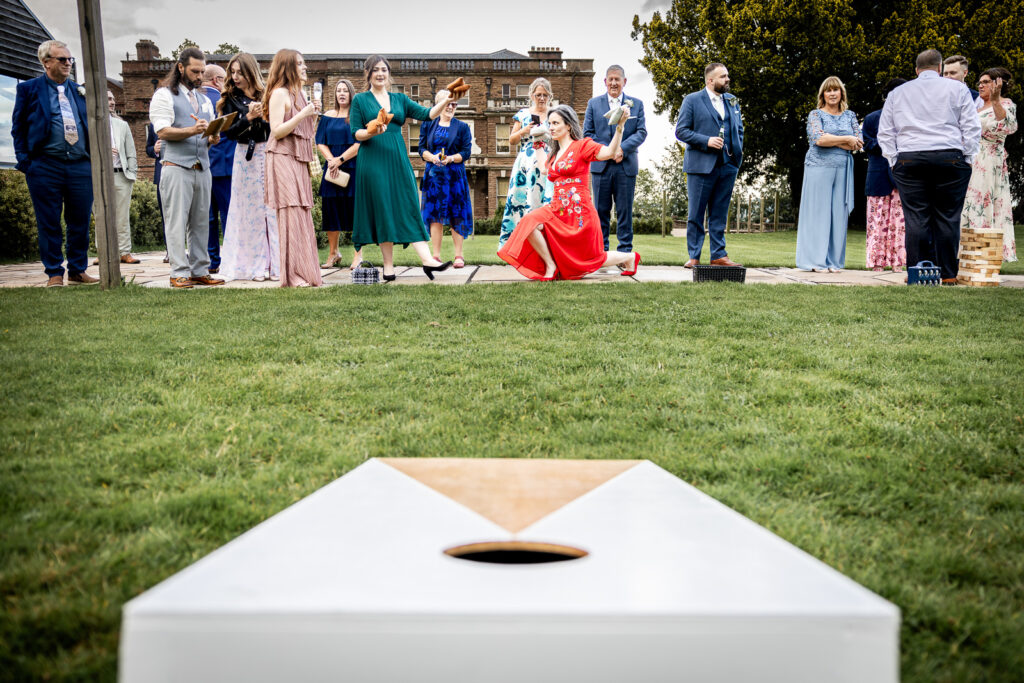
[
  {"x": 691, "y": 263},
  {"x": 55, "y": 281},
  {"x": 949, "y": 282},
  {"x": 81, "y": 279},
  {"x": 724, "y": 261},
  {"x": 128, "y": 258},
  {"x": 182, "y": 282},
  {"x": 205, "y": 280}
]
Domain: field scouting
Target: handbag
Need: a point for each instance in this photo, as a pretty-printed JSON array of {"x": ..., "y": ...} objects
[
  {"x": 924, "y": 273},
  {"x": 365, "y": 274},
  {"x": 341, "y": 180}
]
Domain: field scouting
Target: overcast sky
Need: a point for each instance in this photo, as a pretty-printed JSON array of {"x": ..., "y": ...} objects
[{"x": 597, "y": 29}]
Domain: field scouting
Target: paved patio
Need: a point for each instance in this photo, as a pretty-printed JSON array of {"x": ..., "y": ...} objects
[{"x": 153, "y": 272}]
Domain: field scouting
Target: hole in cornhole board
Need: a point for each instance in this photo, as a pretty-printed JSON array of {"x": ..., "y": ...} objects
[{"x": 515, "y": 552}]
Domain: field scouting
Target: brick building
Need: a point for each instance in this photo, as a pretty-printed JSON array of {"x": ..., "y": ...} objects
[{"x": 500, "y": 82}]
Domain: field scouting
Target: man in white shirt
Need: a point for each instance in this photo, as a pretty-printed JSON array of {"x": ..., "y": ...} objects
[
  {"x": 126, "y": 168},
  {"x": 180, "y": 113},
  {"x": 930, "y": 132}
]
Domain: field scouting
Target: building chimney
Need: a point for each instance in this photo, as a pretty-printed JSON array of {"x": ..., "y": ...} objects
[
  {"x": 551, "y": 53},
  {"x": 146, "y": 50}
]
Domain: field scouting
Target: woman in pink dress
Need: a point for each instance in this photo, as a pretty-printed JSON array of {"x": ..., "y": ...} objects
[
  {"x": 289, "y": 152},
  {"x": 563, "y": 238}
]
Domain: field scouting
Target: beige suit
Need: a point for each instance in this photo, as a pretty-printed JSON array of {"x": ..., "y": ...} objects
[{"x": 121, "y": 138}]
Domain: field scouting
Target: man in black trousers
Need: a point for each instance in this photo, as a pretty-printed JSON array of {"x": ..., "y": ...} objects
[{"x": 929, "y": 132}]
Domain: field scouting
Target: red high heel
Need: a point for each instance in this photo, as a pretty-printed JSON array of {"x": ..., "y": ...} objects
[{"x": 636, "y": 264}]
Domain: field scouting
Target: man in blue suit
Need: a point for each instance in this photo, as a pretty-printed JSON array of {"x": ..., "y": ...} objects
[
  {"x": 222, "y": 159},
  {"x": 616, "y": 178},
  {"x": 710, "y": 125},
  {"x": 51, "y": 143}
]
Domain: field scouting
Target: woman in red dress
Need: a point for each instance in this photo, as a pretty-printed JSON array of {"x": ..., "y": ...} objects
[{"x": 563, "y": 238}]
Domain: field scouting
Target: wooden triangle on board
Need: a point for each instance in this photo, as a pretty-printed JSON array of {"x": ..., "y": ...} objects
[{"x": 511, "y": 492}]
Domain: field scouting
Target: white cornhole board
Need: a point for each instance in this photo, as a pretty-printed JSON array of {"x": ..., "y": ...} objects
[{"x": 352, "y": 584}]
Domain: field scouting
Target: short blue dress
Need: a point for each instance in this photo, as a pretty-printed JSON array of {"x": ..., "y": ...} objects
[
  {"x": 337, "y": 203},
  {"x": 446, "y": 197}
]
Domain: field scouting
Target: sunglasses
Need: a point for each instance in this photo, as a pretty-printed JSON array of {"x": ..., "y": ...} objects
[{"x": 64, "y": 60}]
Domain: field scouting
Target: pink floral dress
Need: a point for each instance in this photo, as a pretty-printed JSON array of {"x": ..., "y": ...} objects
[{"x": 988, "y": 205}]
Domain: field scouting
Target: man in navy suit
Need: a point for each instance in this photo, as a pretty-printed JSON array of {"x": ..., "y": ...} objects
[
  {"x": 222, "y": 158},
  {"x": 710, "y": 125},
  {"x": 955, "y": 68},
  {"x": 616, "y": 178},
  {"x": 51, "y": 143}
]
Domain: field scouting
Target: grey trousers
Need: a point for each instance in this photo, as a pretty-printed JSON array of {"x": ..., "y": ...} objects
[
  {"x": 185, "y": 194},
  {"x": 123, "y": 211}
]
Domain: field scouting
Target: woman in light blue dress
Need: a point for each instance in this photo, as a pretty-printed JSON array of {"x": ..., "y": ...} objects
[
  {"x": 529, "y": 187},
  {"x": 827, "y": 197}
]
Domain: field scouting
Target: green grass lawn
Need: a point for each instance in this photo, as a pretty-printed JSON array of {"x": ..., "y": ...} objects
[
  {"x": 879, "y": 429},
  {"x": 751, "y": 249}
]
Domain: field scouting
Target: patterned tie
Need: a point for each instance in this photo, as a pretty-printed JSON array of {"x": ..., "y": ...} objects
[{"x": 70, "y": 127}]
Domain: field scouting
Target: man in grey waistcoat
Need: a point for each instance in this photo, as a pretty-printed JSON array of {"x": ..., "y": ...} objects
[{"x": 180, "y": 113}]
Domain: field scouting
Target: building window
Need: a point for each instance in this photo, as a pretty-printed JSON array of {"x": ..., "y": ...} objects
[
  {"x": 414, "y": 138},
  {"x": 397, "y": 87},
  {"x": 522, "y": 91},
  {"x": 506, "y": 91},
  {"x": 463, "y": 103},
  {"x": 414, "y": 90},
  {"x": 8, "y": 88},
  {"x": 502, "y": 191},
  {"x": 501, "y": 133}
]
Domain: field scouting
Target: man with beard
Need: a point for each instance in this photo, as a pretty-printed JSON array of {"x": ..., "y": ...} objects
[
  {"x": 180, "y": 113},
  {"x": 711, "y": 127}
]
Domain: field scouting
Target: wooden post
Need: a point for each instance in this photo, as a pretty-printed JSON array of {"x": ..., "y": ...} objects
[
  {"x": 664, "y": 201},
  {"x": 739, "y": 210},
  {"x": 100, "y": 144},
  {"x": 761, "y": 228},
  {"x": 750, "y": 216},
  {"x": 776, "y": 212}
]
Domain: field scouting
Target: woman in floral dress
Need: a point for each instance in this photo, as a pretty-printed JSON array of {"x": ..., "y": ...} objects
[
  {"x": 563, "y": 238},
  {"x": 529, "y": 186},
  {"x": 988, "y": 205},
  {"x": 886, "y": 227}
]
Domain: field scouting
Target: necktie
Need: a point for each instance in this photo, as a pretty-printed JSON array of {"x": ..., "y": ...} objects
[
  {"x": 70, "y": 127},
  {"x": 193, "y": 101}
]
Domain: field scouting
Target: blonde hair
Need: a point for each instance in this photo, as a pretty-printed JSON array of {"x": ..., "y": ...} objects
[
  {"x": 351, "y": 93},
  {"x": 832, "y": 83}
]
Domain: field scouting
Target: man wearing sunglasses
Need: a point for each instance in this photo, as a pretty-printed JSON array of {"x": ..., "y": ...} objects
[{"x": 51, "y": 143}]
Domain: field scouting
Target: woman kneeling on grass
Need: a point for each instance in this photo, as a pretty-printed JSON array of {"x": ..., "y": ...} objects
[{"x": 563, "y": 239}]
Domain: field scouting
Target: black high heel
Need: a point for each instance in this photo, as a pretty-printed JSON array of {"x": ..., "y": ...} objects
[
  {"x": 430, "y": 270},
  {"x": 388, "y": 278}
]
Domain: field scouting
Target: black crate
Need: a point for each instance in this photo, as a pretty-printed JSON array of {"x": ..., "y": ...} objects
[{"x": 719, "y": 274}]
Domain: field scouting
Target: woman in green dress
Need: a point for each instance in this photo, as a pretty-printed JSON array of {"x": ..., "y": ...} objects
[{"x": 387, "y": 208}]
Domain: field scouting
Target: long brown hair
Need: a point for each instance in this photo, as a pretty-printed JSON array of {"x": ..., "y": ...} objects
[
  {"x": 250, "y": 70},
  {"x": 284, "y": 73},
  {"x": 351, "y": 93},
  {"x": 172, "y": 79}
]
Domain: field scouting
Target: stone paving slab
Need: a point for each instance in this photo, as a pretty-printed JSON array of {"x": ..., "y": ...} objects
[{"x": 153, "y": 272}]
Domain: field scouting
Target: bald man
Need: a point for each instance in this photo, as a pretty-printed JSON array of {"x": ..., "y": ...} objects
[{"x": 222, "y": 157}]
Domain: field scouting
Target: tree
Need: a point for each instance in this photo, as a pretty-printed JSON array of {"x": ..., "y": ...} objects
[
  {"x": 778, "y": 52},
  {"x": 672, "y": 179},
  {"x": 184, "y": 44},
  {"x": 227, "y": 49}
]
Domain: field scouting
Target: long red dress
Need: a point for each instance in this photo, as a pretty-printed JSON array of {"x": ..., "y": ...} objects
[{"x": 571, "y": 226}]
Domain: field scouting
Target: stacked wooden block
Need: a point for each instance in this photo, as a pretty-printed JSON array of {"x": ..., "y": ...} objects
[{"x": 981, "y": 255}]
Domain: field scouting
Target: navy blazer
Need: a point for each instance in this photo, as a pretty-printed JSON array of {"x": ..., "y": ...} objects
[
  {"x": 460, "y": 141},
  {"x": 596, "y": 127},
  {"x": 30, "y": 125},
  {"x": 698, "y": 121},
  {"x": 878, "y": 182},
  {"x": 151, "y": 139},
  {"x": 222, "y": 155}
]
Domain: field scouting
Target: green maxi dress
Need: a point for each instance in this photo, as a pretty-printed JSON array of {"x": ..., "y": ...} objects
[{"x": 387, "y": 207}]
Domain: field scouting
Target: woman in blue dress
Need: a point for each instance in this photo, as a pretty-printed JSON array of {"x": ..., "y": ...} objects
[
  {"x": 445, "y": 145},
  {"x": 529, "y": 186},
  {"x": 827, "y": 197},
  {"x": 338, "y": 146}
]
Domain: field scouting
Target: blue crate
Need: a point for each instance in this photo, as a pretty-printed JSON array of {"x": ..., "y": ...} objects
[{"x": 924, "y": 273}]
